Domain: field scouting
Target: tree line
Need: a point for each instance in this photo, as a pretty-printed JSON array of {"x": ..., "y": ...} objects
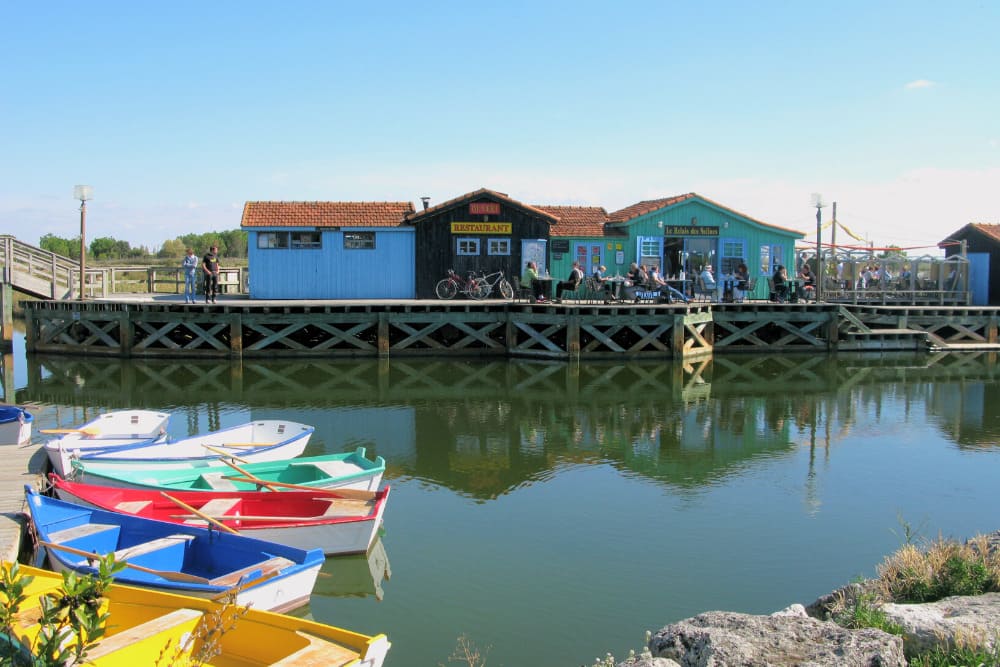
[{"x": 232, "y": 243}]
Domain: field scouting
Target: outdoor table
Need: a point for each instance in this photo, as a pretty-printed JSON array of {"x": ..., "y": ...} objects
[
  {"x": 546, "y": 283},
  {"x": 679, "y": 284},
  {"x": 793, "y": 290},
  {"x": 613, "y": 285}
]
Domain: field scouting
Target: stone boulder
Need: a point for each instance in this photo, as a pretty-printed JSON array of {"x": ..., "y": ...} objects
[
  {"x": 729, "y": 639},
  {"x": 969, "y": 621}
]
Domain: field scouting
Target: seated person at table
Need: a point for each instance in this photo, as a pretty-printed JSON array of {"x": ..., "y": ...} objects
[
  {"x": 605, "y": 282},
  {"x": 635, "y": 282},
  {"x": 708, "y": 279},
  {"x": 780, "y": 280},
  {"x": 530, "y": 279},
  {"x": 808, "y": 289},
  {"x": 571, "y": 285},
  {"x": 657, "y": 282},
  {"x": 741, "y": 280}
]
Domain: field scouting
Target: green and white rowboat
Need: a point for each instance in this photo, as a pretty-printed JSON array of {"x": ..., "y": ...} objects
[{"x": 352, "y": 470}]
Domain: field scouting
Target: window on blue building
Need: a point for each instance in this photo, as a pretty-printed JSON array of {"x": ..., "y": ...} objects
[
  {"x": 272, "y": 240},
  {"x": 359, "y": 240},
  {"x": 307, "y": 240}
]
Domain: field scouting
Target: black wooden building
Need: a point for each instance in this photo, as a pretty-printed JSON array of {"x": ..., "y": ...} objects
[
  {"x": 482, "y": 231},
  {"x": 982, "y": 247}
]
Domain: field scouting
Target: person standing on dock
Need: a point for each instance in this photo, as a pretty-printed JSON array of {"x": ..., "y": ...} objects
[
  {"x": 210, "y": 266},
  {"x": 190, "y": 266}
]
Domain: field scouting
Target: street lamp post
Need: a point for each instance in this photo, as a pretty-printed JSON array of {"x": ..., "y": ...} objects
[
  {"x": 817, "y": 201},
  {"x": 83, "y": 193}
]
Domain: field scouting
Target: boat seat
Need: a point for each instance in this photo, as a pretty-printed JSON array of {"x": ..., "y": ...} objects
[
  {"x": 136, "y": 635},
  {"x": 331, "y": 468},
  {"x": 318, "y": 652},
  {"x": 69, "y": 534},
  {"x": 348, "y": 507},
  {"x": 217, "y": 483},
  {"x": 218, "y": 506},
  {"x": 132, "y": 506},
  {"x": 267, "y": 567},
  {"x": 151, "y": 546}
]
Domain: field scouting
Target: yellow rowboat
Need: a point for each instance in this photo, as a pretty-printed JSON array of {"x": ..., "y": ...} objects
[{"x": 149, "y": 627}]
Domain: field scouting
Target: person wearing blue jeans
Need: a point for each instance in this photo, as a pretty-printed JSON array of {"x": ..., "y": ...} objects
[{"x": 190, "y": 266}]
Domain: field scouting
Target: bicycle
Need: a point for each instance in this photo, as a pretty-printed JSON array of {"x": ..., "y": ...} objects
[
  {"x": 471, "y": 286},
  {"x": 497, "y": 280}
]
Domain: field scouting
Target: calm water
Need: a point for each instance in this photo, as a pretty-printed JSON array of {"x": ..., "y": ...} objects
[{"x": 552, "y": 513}]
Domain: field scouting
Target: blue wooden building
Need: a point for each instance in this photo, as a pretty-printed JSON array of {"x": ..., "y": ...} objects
[{"x": 330, "y": 250}]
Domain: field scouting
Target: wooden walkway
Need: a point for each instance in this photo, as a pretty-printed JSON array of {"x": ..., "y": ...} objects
[{"x": 21, "y": 465}]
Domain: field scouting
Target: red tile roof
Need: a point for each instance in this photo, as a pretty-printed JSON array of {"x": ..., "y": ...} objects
[
  {"x": 993, "y": 231},
  {"x": 578, "y": 220},
  {"x": 648, "y": 206},
  {"x": 644, "y": 207},
  {"x": 325, "y": 213},
  {"x": 471, "y": 196}
]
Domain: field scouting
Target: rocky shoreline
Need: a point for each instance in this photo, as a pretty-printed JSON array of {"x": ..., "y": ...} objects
[{"x": 805, "y": 635}]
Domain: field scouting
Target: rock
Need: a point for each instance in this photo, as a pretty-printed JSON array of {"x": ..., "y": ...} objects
[
  {"x": 792, "y": 610},
  {"x": 719, "y": 638},
  {"x": 848, "y": 595},
  {"x": 971, "y": 619},
  {"x": 648, "y": 662}
]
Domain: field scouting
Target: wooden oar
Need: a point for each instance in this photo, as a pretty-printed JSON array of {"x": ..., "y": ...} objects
[
  {"x": 86, "y": 431},
  {"x": 222, "y": 452},
  {"x": 356, "y": 494},
  {"x": 166, "y": 574},
  {"x": 248, "y": 444},
  {"x": 252, "y": 517},
  {"x": 255, "y": 480},
  {"x": 204, "y": 516}
]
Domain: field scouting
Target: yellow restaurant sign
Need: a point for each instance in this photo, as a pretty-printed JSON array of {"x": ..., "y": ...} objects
[{"x": 480, "y": 228}]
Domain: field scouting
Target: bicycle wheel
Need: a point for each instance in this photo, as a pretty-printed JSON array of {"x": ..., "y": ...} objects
[
  {"x": 480, "y": 290},
  {"x": 506, "y": 291},
  {"x": 446, "y": 289}
]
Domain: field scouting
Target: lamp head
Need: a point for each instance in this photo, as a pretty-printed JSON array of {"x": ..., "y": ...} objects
[
  {"x": 83, "y": 192},
  {"x": 817, "y": 200}
]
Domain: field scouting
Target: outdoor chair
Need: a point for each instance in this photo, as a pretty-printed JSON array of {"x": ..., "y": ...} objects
[
  {"x": 522, "y": 293},
  {"x": 747, "y": 291},
  {"x": 701, "y": 292}
]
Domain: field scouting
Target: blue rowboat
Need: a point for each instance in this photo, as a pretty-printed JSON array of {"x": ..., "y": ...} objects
[{"x": 174, "y": 558}]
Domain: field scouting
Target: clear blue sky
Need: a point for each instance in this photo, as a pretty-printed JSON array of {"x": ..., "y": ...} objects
[{"x": 177, "y": 113}]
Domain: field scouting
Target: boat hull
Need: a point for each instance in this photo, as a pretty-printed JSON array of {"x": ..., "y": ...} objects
[
  {"x": 335, "y": 524},
  {"x": 15, "y": 425},
  {"x": 121, "y": 428},
  {"x": 143, "y": 621},
  {"x": 255, "y": 442},
  {"x": 332, "y": 471},
  {"x": 174, "y": 557}
]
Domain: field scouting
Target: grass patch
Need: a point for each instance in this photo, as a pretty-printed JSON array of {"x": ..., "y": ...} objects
[{"x": 941, "y": 569}]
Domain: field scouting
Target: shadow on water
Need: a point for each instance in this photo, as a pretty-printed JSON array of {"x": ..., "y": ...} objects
[{"x": 485, "y": 428}]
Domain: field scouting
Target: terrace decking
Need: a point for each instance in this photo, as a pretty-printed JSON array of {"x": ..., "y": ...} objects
[{"x": 254, "y": 329}]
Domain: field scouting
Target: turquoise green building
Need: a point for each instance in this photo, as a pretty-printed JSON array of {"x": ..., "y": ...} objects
[{"x": 678, "y": 234}]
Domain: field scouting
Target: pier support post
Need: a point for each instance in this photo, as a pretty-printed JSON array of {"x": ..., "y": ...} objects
[
  {"x": 383, "y": 334},
  {"x": 7, "y": 305},
  {"x": 573, "y": 337},
  {"x": 236, "y": 336},
  {"x": 677, "y": 337},
  {"x": 126, "y": 335}
]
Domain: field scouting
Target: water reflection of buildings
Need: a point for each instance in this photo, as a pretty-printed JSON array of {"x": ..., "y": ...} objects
[{"x": 486, "y": 428}]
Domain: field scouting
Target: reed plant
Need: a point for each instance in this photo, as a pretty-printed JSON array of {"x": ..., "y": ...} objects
[{"x": 941, "y": 569}]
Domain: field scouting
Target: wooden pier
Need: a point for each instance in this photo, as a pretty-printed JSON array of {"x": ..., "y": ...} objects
[{"x": 241, "y": 328}]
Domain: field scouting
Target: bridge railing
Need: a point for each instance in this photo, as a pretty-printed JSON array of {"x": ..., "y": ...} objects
[{"x": 50, "y": 276}]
